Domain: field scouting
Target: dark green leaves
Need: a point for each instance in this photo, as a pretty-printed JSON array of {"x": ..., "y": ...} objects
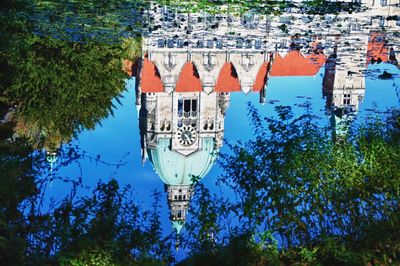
[{"x": 63, "y": 87}]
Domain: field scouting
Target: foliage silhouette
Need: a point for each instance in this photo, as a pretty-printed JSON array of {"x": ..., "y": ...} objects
[
  {"x": 323, "y": 201},
  {"x": 298, "y": 198}
]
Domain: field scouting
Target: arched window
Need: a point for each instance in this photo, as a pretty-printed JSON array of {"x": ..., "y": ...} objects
[
  {"x": 187, "y": 108},
  {"x": 346, "y": 99}
]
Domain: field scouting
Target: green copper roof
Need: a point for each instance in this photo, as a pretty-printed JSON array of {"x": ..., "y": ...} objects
[
  {"x": 177, "y": 226},
  {"x": 177, "y": 169}
]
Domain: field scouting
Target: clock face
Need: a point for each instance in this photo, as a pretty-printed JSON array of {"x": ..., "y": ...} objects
[{"x": 186, "y": 135}]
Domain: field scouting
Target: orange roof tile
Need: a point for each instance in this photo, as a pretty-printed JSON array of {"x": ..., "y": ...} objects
[
  {"x": 296, "y": 64},
  {"x": 151, "y": 79},
  {"x": 377, "y": 48},
  {"x": 189, "y": 80},
  {"x": 228, "y": 79},
  {"x": 262, "y": 77}
]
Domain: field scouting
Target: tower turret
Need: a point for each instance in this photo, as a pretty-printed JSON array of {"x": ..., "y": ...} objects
[{"x": 178, "y": 201}]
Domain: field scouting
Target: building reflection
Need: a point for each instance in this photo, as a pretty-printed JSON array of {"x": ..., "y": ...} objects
[
  {"x": 181, "y": 134},
  {"x": 192, "y": 62}
]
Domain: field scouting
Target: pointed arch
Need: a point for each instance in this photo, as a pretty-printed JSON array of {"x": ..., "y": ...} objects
[
  {"x": 151, "y": 79},
  {"x": 262, "y": 77},
  {"x": 228, "y": 80},
  {"x": 189, "y": 79}
]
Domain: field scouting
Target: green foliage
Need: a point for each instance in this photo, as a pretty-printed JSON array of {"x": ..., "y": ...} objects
[
  {"x": 132, "y": 48},
  {"x": 60, "y": 85},
  {"x": 18, "y": 187},
  {"x": 206, "y": 226},
  {"x": 326, "y": 202},
  {"x": 322, "y": 7},
  {"x": 89, "y": 258},
  {"x": 283, "y": 28},
  {"x": 84, "y": 21},
  {"x": 270, "y": 7},
  {"x": 105, "y": 228},
  {"x": 228, "y": 6},
  {"x": 299, "y": 198},
  {"x": 108, "y": 226},
  {"x": 63, "y": 87}
]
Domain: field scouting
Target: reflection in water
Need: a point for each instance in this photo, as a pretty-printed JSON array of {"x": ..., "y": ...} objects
[
  {"x": 181, "y": 133},
  {"x": 304, "y": 193},
  {"x": 193, "y": 61}
]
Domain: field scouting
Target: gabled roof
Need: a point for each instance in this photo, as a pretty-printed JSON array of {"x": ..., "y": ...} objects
[
  {"x": 189, "y": 80},
  {"x": 228, "y": 80},
  {"x": 296, "y": 64},
  {"x": 262, "y": 77},
  {"x": 150, "y": 78}
]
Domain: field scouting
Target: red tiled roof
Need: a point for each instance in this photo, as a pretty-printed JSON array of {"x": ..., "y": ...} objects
[
  {"x": 296, "y": 64},
  {"x": 189, "y": 80},
  {"x": 228, "y": 79},
  {"x": 151, "y": 79},
  {"x": 377, "y": 48},
  {"x": 262, "y": 77}
]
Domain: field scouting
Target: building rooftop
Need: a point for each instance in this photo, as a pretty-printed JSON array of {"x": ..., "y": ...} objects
[{"x": 177, "y": 169}]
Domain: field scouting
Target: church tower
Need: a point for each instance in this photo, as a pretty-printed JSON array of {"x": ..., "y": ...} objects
[{"x": 183, "y": 93}]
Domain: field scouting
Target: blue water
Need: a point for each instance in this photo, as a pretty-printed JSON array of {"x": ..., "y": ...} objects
[{"x": 117, "y": 141}]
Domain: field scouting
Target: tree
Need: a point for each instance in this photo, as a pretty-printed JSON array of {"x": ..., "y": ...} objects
[
  {"x": 323, "y": 201},
  {"x": 59, "y": 85},
  {"x": 107, "y": 227},
  {"x": 62, "y": 88},
  {"x": 89, "y": 21}
]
